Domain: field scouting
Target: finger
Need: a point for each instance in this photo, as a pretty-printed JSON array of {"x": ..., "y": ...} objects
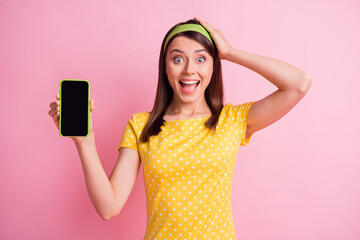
[
  {"x": 205, "y": 24},
  {"x": 209, "y": 27},
  {"x": 196, "y": 18},
  {"x": 201, "y": 21},
  {"x": 52, "y": 112},
  {"x": 52, "y": 105},
  {"x": 92, "y": 106},
  {"x": 57, "y": 96},
  {"x": 55, "y": 116}
]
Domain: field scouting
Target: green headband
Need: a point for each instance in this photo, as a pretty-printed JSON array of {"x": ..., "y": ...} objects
[{"x": 189, "y": 27}]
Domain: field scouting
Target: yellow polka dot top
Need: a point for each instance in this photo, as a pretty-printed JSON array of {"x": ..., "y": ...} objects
[{"x": 188, "y": 170}]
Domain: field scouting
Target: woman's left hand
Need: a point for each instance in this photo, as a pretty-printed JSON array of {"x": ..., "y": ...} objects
[{"x": 222, "y": 45}]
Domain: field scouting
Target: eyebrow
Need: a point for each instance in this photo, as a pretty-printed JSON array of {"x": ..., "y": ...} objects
[{"x": 177, "y": 50}]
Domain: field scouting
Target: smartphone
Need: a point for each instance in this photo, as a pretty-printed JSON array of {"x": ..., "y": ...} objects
[{"x": 74, "y": 107}]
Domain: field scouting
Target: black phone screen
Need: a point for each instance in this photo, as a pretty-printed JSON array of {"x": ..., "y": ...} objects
[{"x": 74, "y": 108}]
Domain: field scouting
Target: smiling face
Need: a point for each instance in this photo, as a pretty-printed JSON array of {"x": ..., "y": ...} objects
[{"x": 189, "y": 68}]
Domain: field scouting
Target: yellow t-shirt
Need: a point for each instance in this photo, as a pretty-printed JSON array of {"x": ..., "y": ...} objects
[{"x": 188, "y": 170}]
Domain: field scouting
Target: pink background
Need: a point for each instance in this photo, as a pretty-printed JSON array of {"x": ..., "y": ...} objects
[{"x": 298, "y": 179}]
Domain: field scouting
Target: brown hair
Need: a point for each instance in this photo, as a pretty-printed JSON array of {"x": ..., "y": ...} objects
[{"x": 164, "y": 93}]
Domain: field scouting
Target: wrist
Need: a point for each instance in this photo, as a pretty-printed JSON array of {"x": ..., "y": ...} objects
[
  {"x": 228, "y": 53},
  {"x": 83, "y": 141},
  {"x": 236, "y": 56}
]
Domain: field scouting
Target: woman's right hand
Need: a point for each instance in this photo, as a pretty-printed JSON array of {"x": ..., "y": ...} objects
[{"x": 54, "y": 113}]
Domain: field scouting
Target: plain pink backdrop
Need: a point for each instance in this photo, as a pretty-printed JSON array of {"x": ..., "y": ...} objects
[{"x": 298, "y": 178}]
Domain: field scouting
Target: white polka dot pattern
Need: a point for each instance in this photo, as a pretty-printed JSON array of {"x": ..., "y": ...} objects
[{"x": 188, "y": 172}]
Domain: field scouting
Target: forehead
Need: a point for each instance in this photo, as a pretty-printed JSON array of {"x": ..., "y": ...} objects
[{"x": 185, "y": 44}]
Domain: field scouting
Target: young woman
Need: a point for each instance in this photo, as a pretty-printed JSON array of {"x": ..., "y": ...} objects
[{"x": 188, "y": 143}]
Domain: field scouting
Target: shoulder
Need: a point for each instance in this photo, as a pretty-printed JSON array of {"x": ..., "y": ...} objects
[
  {"x": 233, "y": 110},
  {"x": 137, "y": 122},
  {"x": 140, "y": 117},
  {"x": 228, "y": 107}
]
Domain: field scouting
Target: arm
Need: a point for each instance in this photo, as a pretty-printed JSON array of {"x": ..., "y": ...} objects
[
  {"x": 292, "y": 84},
  {"x": 108, "y": 195}
]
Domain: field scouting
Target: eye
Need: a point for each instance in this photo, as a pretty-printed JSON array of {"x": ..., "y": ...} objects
[
  {"x": 202, "y": 59},
  {"x": 177, "y": 59}
]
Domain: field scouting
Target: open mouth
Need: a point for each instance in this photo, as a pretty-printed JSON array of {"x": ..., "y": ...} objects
[{"x": 189, "y": 86}]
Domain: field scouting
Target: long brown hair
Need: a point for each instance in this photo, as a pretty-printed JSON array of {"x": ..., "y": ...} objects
[{"x": 213, "y": 93}]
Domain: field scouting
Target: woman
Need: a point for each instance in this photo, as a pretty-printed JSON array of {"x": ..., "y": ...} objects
[{"x": 188, "y": 143}]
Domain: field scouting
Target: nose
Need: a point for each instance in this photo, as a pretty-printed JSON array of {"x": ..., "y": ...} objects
[{"x": 189, "y": 67}]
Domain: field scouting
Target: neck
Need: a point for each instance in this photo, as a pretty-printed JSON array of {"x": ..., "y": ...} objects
[{"x": 178, "y": 107}]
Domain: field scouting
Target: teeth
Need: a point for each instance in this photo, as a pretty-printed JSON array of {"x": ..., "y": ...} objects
[{"x": 189, "y": 82}]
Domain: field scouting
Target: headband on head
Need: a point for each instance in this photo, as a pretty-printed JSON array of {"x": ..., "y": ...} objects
[{"x": 189, "y": 27}]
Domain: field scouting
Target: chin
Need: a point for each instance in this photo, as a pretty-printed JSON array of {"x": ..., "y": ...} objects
[{"x": 190, "y": 99}]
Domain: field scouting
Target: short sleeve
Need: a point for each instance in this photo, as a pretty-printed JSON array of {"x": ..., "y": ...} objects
[
  {"x": 240, "y": 114},
  {"x": 129, "y": 137}
]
